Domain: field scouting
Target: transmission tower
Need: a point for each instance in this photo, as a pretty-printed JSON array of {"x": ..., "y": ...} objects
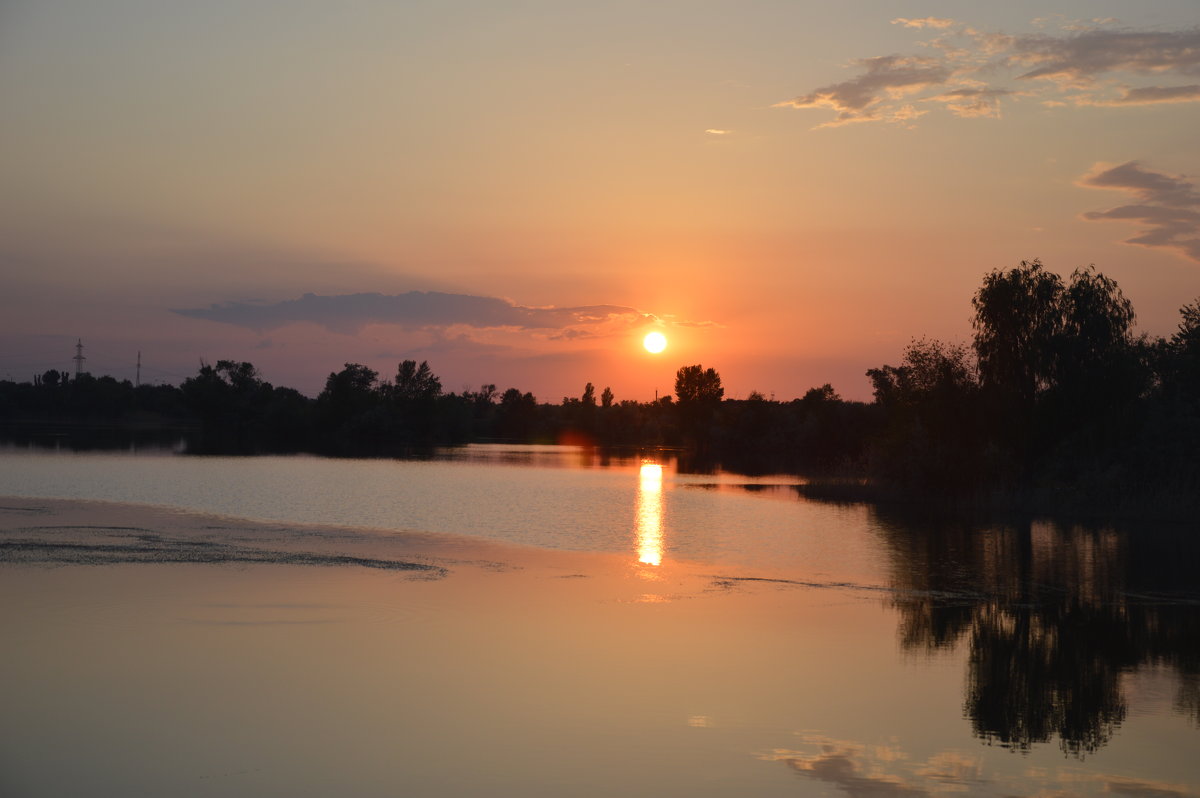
[{"x": 79, "y": 358}]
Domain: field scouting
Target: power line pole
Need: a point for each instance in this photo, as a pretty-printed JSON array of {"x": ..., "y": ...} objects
[
  {"x": 137, "y": 380},
  {"x": 79, "y": 358}
]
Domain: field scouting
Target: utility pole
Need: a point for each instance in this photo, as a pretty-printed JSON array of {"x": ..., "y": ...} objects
[
  {"x": 137, "y": 380},
  {"x": 79, "y": 358}
]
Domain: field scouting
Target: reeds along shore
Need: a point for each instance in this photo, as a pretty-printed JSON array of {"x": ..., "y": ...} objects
[{"x": 1056, "y": 404}]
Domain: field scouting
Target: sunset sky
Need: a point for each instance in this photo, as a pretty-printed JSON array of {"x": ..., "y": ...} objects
[{"x": 518, "y": 192}]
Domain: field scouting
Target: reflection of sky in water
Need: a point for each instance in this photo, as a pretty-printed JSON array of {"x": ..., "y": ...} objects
[
  {"x": 649, "y": 514},
  {"x": 282, "y": 681},
  {"x": 549, "y": 497},
  {"x": 809, "y": 684},
  {"x": 887, "y": 769}
]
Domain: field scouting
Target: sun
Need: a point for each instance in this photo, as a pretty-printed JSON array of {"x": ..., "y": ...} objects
[{"x": 654, "y": 342}]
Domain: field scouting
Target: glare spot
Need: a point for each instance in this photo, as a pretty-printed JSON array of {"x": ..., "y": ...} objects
[{"x": 654, "y": 342}]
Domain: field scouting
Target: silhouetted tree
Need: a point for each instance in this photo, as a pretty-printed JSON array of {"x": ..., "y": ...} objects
[
  {"x": 933, "y": 438},
  {"x": 480, "y": 411},
  {"x": 930, "y": 371},
  {"x": 243, "y": 377},
  {"x": 486, "y": 395},
  {"x": 348, "y": 409},
  {"x": 1097, "y": 366},
  {"x": 698, "y": 385},
  {"x": 1180, "y": 358},
  {"x": 415, "y": 382},
  {"x": 1097, "y": 318},
  {"x": 823, "y": 394},
  {"x": 1018, "y": 319},
  {"x": 578, "y": 419},
  {"x": 517, "y": 416},
  {"x": 351, "y": 390},
  {"x": 1060, "y": 369},
  {"x": 240, "y": 412},
  {"x": 699, "y": 392},
  {"x": 414, "y": 419}
]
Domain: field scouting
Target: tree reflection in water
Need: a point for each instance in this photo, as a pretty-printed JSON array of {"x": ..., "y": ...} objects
[{"x": 1055, "y": 617}]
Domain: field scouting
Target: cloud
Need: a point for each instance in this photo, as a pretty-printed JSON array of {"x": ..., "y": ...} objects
[
  {"x": 1148, "y": 185},
  {"x": 905, "y": 114},
  {"x": 970, "y": 71},
  {"x": 1080, "y": 58},
  {"x": 428, "y": 311},
  {"x": 712, "y": 131},
  {"x": 888, "y": 76},
  {"x": 1154, "y": 95},
  {"x": 973, "y": 102},
  {"x": 1167, "y": 207},
  {"x": 455, "y": 343},
  {"x": 924, "y": 22}
]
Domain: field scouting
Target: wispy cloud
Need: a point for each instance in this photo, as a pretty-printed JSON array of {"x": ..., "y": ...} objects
[
  {"x": 1167, "y": 207},
  {"x": 714, "y": 131},
  {"x": 425, "y": 310},
  {"x": 674, "y": 322},
  {"x": 971, "y": 71},
  {"x": 1151, "y": 95},
  {"x": 861, "y": 99},
  {"x": 924, "y": 22},
  {"x": 1079, "y": 58},
  {"x": 972, "y": 101}
]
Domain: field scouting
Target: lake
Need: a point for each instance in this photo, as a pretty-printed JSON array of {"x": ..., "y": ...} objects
[{"x": 503, "y": 620}]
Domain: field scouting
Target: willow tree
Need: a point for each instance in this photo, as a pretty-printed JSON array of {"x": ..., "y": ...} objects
[
  {"x": 1033, "y": 333},
  {"x": 1058, "y": 364},
  {"x": 1018, "y": 319}
]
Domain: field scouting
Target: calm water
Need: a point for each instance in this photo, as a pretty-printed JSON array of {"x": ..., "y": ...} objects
[
  {"x": 541, "y": 496},
  {"x": 732, "y": 639}
]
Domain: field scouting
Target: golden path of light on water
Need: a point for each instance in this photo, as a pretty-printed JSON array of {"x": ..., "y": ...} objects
[{"x": 649, "y": 514}]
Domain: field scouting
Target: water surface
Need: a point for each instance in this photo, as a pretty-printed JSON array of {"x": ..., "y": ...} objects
[
  {"x": 694, "y": 635},
  {"x": 553, "y": 497}
]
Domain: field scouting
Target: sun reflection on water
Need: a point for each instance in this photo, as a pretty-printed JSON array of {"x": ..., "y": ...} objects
[{"x": 649, "y": 514}]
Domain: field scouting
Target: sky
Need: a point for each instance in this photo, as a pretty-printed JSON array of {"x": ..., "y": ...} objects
[{"x": 517, "y": 192}]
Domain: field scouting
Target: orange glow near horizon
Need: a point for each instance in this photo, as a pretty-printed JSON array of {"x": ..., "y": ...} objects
[{"x": 649, "y": 515}]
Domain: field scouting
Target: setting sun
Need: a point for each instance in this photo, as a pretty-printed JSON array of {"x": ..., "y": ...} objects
[{"x": 654, "y": 342}]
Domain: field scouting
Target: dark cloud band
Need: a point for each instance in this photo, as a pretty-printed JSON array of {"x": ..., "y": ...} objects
[{"x": 349, "y": 313}]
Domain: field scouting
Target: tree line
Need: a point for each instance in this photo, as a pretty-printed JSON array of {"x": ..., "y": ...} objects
[
  {"x": 229, "y": 408},
  {"x": 1056, "y": 401}
]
